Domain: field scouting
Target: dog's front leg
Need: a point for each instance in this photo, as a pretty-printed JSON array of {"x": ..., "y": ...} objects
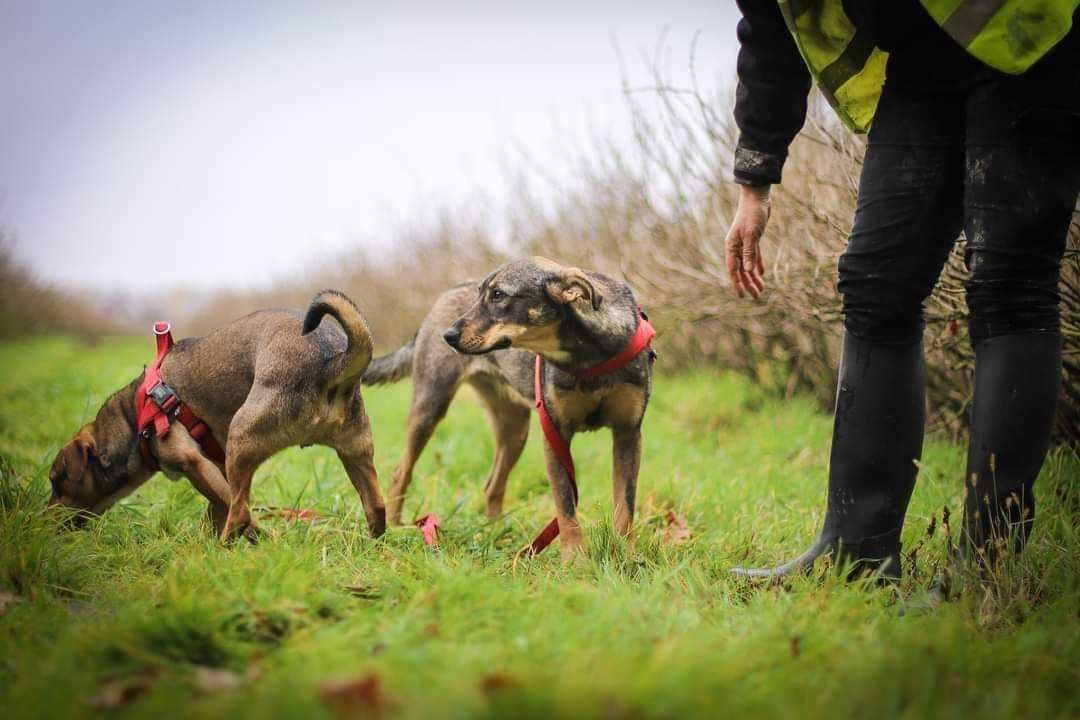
[
  {"x": 626, "y": 444},
  {"x": 571, "y": 540},
  {"x": 179, "y": 450}
]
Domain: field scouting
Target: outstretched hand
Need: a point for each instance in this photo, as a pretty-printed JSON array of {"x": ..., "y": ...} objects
[{"x": 743, "y": 244}]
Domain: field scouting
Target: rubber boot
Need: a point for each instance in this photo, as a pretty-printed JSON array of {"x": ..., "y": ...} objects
[
  {"x": 877, "y": 441},
  {"x": 1017, "y": 381}
]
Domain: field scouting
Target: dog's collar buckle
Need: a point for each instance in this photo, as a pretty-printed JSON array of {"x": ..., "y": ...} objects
[{"x": 164, "y": 397}]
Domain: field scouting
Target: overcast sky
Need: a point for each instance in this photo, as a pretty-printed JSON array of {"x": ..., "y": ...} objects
[{"x": 224, "y": 143}]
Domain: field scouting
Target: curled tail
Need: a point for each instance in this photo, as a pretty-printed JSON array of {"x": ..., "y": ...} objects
[
  {"x": 393, "y": 367},
  {"x": 346, "y": 367}
]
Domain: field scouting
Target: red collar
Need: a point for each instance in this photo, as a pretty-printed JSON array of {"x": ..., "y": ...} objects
[{"x": 639, "y": 342}]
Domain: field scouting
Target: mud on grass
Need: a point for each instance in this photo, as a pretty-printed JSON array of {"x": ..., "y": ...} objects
[{"x": 144, "y": 613}]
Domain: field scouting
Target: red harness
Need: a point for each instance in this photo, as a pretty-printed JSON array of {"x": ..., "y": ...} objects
[
  {"x": 157, "y": 405},
  {"x": 640, "y": 341}
]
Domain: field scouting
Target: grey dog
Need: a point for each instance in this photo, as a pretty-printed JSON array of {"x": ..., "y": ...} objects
[{"x": 487, "y": 335}]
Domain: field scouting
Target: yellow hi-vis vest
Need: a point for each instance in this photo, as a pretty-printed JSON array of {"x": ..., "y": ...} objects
[{"x": 1008, "y": 35}]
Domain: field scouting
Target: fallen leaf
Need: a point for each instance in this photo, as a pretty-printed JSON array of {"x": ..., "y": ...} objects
[
  {"x": 677, "y": 531},
  {"x": 355, "y": 697},
  {"x": 118, "y": 692},
  {"x": 7, "y": 598},
  {"x": 496, "y": 682},
  {"x": 290, "y": 514},
  {"x": 213, "y": 680}
]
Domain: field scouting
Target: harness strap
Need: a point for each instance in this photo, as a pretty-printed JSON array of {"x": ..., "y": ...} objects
[
  {"x": 158, "y": 405},
  {"x": 639, "y": 342}
]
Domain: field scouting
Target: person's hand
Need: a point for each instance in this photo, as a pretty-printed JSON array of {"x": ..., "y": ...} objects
[{"x": 743, "y": 243}]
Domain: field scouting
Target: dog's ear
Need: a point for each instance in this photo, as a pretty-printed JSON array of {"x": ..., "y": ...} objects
[
  {"x": 77, "y": 454},
  {"x": 484, "y": 283},
  {"x": 572, "y": 286},
  {"x": 81, "y": 448}
]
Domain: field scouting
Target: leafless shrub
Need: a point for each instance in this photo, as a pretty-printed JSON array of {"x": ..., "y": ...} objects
[
  {"x": 28, "y": 306},
  {"x": 656, "y": 214}
]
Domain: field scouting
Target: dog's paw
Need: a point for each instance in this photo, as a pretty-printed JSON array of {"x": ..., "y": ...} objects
[
  {"x": 377, "y": 522},
  {"x": 253, "y": 533}
]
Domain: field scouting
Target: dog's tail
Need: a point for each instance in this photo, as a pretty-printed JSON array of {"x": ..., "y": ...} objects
[
  {"x": 393, "y": 367},
  {"x": 346, "y": 367}
]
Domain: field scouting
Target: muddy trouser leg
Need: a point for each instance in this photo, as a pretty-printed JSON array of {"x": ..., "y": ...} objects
[
  {"x": 1021, "y": 183},
  {"x": 908, "y": 217}
]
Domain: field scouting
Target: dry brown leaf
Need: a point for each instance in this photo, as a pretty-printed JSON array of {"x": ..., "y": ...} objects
[
  {"x": 677, "y": 531},
  {"x": 118, "y": 692},
  {"x": 361, "y": 697},
  {"x": 497, "y": 682},
  {"x": 290, "y": 514}
]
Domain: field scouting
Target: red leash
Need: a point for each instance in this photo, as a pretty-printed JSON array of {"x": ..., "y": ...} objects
[
  {"x": 639, "y": 342},
  {"x": 158, "y": 405},
  {"x": 429, "y": 526}
]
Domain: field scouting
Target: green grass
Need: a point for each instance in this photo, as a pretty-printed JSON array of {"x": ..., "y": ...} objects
[{"x": 145, "y": 597}]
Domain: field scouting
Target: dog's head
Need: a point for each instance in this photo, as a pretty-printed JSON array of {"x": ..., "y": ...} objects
[
  {"x": 97, "y": 467},
  {"x": 521, "y": 305}
]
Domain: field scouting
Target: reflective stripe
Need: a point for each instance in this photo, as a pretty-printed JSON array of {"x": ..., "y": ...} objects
[
  {"x": 851, "y": 61},
  {"x": 798, "y": 7},
  {"x": 970, "y": 18},
  {"x": 1007, "y": 35},
  {"x": 841, "y": 59}
]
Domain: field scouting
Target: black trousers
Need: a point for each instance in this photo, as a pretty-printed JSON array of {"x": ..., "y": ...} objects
[{"x": 995, "y": 156}]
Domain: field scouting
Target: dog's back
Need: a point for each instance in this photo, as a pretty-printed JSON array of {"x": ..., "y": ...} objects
[{"x": 215, "y": 373}]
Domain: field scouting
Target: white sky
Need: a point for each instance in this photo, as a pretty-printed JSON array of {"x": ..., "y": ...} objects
[{"x": 225, "y": 143}]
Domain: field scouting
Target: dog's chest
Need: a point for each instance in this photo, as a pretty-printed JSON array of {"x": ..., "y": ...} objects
[{"x": 620, "y": 405}]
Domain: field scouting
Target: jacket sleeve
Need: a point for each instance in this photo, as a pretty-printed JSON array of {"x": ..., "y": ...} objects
[{"x": 770, "y": 101}]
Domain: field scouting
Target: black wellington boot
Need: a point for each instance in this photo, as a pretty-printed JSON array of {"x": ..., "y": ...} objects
[
  {"x": 1017, "y": 381},
  {"x": 877, "y": 441}
]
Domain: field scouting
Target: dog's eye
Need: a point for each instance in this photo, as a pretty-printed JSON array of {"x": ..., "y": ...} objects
[{"x": 497, "y": 295}]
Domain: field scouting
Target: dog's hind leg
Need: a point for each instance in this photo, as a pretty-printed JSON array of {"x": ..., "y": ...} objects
[
  {"x": 429, "y": 405},
  {"x": 361, "y": 469},
  {"x": 510, "y": 423},
  {"x": 247, "y": 448},
  {"x": 626, "y": 443}
]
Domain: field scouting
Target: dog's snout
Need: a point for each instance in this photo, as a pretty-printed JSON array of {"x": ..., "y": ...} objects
[{"x": 452, "y": 336}]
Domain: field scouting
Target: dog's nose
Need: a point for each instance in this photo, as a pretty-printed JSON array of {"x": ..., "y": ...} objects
[{"x": 452, "y": 336}]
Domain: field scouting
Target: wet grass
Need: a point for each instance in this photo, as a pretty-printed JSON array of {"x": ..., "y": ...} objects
[{"x": 143, "y": 613}]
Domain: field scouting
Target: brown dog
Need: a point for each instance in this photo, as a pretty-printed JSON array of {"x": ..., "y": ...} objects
[
  {"x": 263, "y": 383},
  {"x": 488, "y": 336}
]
